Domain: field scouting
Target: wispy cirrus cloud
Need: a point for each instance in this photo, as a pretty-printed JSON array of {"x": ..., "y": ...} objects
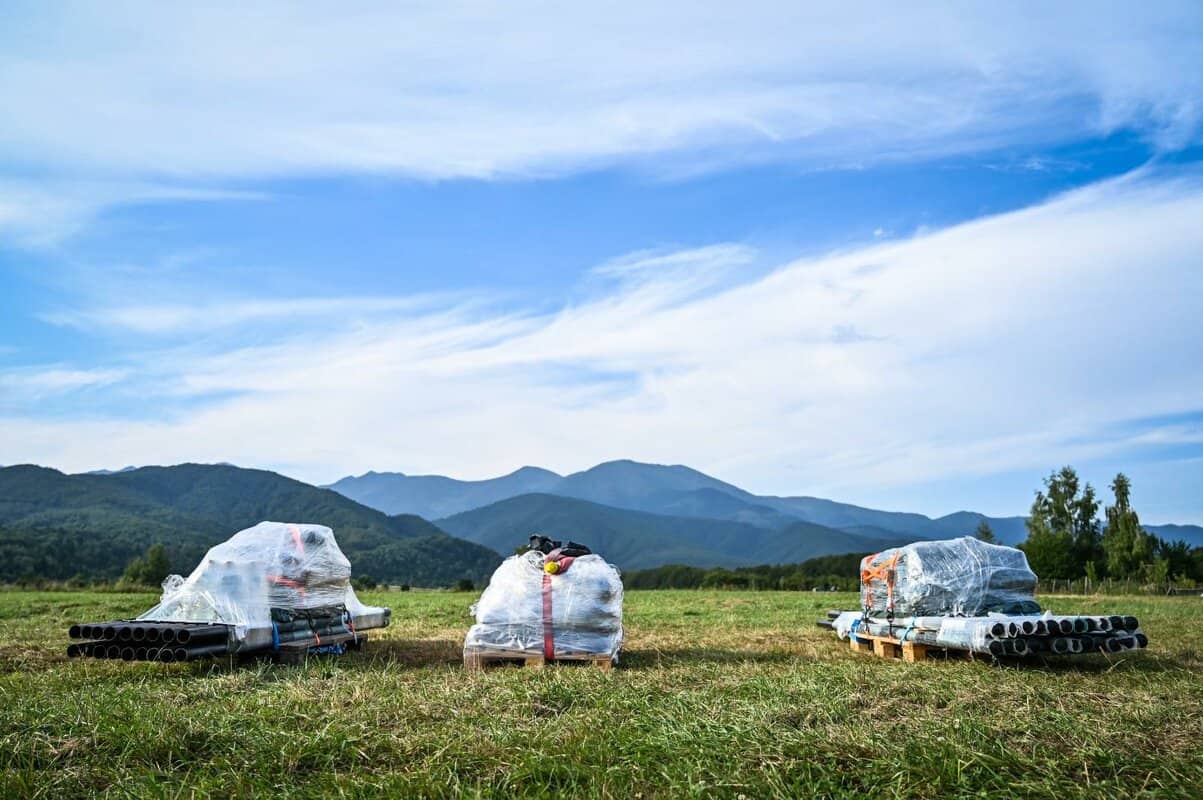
[
  {"x": 42, "y": 213},
  {"x": 532, "y": 91},
  {"x": 34, "y": 384},
  {"x": 1005, "y": 343},
  {"x": 176, "y": 318}
]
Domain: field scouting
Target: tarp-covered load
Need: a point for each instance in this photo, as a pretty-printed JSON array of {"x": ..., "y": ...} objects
[
  {"x": 551, "y": 604},
  {"x": 274, "y": 573},
  {"x": 964, "y": 577}
]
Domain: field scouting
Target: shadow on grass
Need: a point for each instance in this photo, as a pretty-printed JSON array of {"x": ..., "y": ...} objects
[
  {"x": 421, "y": 653},
  {"x": 413, "y": 652},
  {"x": 653, "y": 659},
  {"x": 1095, "y": 664}
]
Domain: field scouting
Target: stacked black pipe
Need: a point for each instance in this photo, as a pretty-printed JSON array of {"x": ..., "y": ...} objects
[
  {"x": 295, "y": 626},
  {"x": 141, "y": 640},
  {"x": 137, "y": 640}
]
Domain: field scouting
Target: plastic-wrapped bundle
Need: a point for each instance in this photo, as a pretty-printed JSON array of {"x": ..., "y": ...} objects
[
  {"x": 261, "y": 573},
  {"x": 1000, "y": 634},
  {"x": 963, "y": 576},
  {"x": 585, "y": 601}
]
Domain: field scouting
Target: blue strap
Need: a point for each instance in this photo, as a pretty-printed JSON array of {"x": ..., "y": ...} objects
[
  {"x": 909, "y": 628},
  {"x": 856, "y": 624},
  {"x": 275, "y": 636}
]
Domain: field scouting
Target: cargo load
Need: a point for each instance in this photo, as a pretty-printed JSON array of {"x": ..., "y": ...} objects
[
  {"x": 963, "y": 577},
  {"x": 964, "y": 596},
  {"x": 552, "y": 602},
  {"x": 270, "y": 586}
]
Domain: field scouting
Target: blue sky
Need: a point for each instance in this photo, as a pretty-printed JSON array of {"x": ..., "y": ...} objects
[{"x": 912, "y": 261}]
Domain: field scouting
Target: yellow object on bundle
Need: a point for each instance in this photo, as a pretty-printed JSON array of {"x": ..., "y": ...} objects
[{"x": 551, "y": 567}]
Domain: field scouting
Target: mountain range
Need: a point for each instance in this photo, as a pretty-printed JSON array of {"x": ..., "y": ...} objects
[
  {"x": 668, "y": 513},
  {"x": 55, "y": 525}
]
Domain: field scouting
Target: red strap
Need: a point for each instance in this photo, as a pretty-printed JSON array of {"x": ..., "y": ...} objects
[{"x": 549, "y": 636}]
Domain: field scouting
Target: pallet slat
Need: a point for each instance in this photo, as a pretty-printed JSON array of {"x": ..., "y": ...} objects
[
  {"x": 909, "y": 652},
  {"x": 478, "y": 660}
]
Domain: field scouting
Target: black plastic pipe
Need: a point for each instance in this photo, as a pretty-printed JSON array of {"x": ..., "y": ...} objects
[
  {"x": 195, "y": 653},
  {"x": 202, "y": 634}
]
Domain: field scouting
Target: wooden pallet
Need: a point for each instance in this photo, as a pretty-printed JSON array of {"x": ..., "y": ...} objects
[
  {"x": 479, "y": 659},
  {"x": 910, "y": 652}
]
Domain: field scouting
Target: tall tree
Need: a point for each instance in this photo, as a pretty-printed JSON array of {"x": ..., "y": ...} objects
[
  {"x": 1063, "y": 527},
  {"x": 1049, "y": 552},
  {"x": 1129, "y": 550},
  {"x": 985, "y": 532},
  {"x": 150, "y": 569}
]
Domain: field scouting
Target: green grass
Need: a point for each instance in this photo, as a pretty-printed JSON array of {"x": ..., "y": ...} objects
[{"x": 718, "y": 694}]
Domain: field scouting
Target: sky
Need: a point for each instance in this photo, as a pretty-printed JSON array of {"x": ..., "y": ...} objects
[{"x": 911, "y": 258}]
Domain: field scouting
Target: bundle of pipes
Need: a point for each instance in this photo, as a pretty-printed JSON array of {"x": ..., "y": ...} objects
[
  {"x": 999, "y": 635},
  {"x": 130, "y": 640},
  {"x": 141, "y": 640}
]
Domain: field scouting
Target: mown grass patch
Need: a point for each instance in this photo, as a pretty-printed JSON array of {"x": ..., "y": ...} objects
[{"x": 718, "y": 694}]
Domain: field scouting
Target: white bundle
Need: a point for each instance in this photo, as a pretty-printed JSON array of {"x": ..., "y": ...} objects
[{"x": 586, "y": 608}]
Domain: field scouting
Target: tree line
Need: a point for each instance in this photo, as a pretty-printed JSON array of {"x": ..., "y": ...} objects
[
  {"x": 825, "y": 573},
  {"x": 1067, "y": 541}
]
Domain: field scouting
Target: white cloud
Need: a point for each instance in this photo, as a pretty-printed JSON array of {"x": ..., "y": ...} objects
[
  {"x": 38, "y": 383},
  {"x": 518, "y": 89},
  {"x": 42, "y": 213},
  {"x": 1016, "y": 341},
  {"x": 145, "y": 101},
  {"x": 166, "y": 319}
]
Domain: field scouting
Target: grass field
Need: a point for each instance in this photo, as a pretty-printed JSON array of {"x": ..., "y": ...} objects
[{"x": 718, "y": 694}]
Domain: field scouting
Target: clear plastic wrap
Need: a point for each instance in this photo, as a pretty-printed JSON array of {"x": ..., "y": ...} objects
[
  {"x": 1001, "y": 634},
  {"x": 285, "y": 567},
  {"x": 586, "y": 606},
  {"x": 965, "y": 577}
]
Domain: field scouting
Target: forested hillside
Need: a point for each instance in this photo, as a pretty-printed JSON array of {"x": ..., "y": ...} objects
[
  {"x": 636, "y": 539},
  {"x": 57, "y": 526}
]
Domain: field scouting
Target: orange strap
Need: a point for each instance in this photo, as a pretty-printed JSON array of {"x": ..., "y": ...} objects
[
  {"x": 290, "y": 583},
  {"x": 296, "y": 538},
  {"x": 884, "y": 572}
]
